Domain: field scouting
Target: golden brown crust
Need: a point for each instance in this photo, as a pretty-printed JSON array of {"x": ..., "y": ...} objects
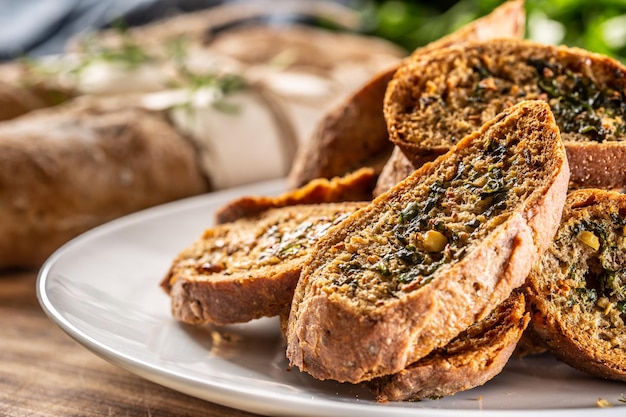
[
  {"x": 65, "y": 171},
  {"x": 354, "y": 186},
  {"x": 324, "y": 326},
  {"x": 577, "y": 290},
  {"x": 474, "y": 357},
  {"x": 248, "y": 269},
  {"x": 437, "y": 99},
  {"x": 354, "y": 134}
]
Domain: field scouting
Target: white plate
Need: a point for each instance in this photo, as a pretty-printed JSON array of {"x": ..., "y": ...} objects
[{"x": 102, "y": 289}]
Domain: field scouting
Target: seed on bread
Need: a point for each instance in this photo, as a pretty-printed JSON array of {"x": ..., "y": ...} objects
[{"x": 589, "y": 239}]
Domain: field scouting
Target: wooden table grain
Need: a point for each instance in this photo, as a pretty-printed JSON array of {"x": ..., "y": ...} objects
[{"x": 43, "y": 372}]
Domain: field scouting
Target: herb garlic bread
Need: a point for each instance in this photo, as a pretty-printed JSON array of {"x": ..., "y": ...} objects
[
  {"x": 471, "y": 359},
  {"x": 354, "y": 134},
  {"x": 577, "y": 290},
  {"x": 435, "y": 100},
  {"x": 436, "y": 253},
  {"x": 248, "y": 269}
]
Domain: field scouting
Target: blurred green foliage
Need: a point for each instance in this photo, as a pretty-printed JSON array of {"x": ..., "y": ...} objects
[{"x": 597, "y": 25}]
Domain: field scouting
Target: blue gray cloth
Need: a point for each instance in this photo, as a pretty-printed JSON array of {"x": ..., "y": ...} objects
[{"x": 43, "y": 27}]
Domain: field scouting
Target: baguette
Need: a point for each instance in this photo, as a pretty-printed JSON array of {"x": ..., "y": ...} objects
[
  {"x": 436, "y": 253},
  {"x": 577, "y": 290},
  {"x": 354, "y": 133},
  {"x": 436, "y": 100},
  {"x": 21, "y": 93},
  {"x": 474, "y": 357},
  {"x": 15, "y": 101},
  {"x": 68, "y": 169},
  {"x": 248, "y": 269}
]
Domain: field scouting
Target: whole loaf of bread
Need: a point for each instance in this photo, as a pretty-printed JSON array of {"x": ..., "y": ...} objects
[{"x": 67, "y": 169}]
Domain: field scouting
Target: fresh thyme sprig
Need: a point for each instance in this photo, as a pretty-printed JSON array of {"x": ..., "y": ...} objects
[
  {"x": 128, "y": 54},
  {"x": 222, "y": 84}
]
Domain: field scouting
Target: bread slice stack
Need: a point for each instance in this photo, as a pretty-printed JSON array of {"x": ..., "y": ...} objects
[
  {"x": 420, "y": 264},
  {"x": 420, "y": 280}
]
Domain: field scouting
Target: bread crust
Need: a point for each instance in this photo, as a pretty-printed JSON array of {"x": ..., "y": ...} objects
[
  {"x": 22, "y": 92},
  {"x": 354, "y": 134},
  {"x": 575, "y": 312},
  {"x": 324, "y": 326},
  {"x": 474, "y": 357},
  {"x": 354, "y": 186},
  {"x": 435, "y": 94},
  {"x": 597, "y": 164},
  {"x": 97, "y": 165},
  {"x": 225, "y": 300}
]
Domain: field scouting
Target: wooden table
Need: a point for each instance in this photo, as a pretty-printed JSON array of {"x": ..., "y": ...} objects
[{"x": 43, "y": 372}]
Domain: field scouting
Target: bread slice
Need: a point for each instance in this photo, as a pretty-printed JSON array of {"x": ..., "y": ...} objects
[
  {"x": 354, "y": 186},
  {"x": 474, "y": 357},
  {"x": 354, "y": 133},
  {"x": 434, "y": 101},
  {"x": 436, "y": 253},
  {"x": 577, "y": 290},
  {"x": 248, "y": 269}
]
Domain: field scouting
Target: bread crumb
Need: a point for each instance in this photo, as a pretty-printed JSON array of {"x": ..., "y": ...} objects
[
  {"x": 480, "y": 402},
  {"x": 602, "y": 403}
]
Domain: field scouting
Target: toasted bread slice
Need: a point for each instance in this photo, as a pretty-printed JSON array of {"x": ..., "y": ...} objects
[
  {"x": 354, "y": 133},
  {"x": 436, "y": 253},
  {"x": 434, "y": 101},
  {"x": 474, "y": 357},
  {"x": 354, "y": 186},
  {"x": 248, "y": 269},
  {"x": 577, "y": 290}
]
